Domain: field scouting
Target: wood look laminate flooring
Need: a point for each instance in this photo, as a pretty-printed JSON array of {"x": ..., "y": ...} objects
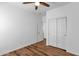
[{"x": 39, "y": 49}]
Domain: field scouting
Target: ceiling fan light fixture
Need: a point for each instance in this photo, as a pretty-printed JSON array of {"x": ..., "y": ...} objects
[{"x": 37, "y": 3}]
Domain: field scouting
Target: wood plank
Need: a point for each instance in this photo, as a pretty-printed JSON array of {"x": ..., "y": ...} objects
[{"x": 39, "y": 49}]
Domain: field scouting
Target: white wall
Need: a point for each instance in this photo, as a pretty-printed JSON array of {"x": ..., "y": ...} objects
[
  {"x": 18, "y": 28},
  {"x": 72, "y": 12},
  {"x": 44, "y": 25}
]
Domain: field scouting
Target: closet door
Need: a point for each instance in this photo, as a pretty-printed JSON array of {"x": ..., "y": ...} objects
[
  {"x": 57, "y": 32},
  {"x": 61, "y": 31},
  {"x": 52, "y": 32}
]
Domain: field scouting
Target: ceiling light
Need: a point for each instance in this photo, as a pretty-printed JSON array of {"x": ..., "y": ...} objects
[{"x": 37, "y": 3}]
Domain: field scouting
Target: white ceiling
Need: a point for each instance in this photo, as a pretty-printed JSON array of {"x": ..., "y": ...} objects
[{"x": 42, "y": 9}]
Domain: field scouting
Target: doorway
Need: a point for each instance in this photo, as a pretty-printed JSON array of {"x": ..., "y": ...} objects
[{"x": 57, "y": 32}]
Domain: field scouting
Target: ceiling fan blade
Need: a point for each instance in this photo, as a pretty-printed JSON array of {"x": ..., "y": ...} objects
[
  {"x": 36, "y": 7},
  {"x": 27, "y": 2},
  {"x": 45, "y": 4}
]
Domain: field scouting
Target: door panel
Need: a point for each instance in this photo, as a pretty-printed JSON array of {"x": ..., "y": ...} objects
[
  {"x": 61, "y": 32},
  {"x": 52, "y": 32},
  {"x": 57, "y": 30}
]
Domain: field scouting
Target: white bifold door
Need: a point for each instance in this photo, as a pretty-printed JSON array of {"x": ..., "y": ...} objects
[{"x": 57, "y": 32}]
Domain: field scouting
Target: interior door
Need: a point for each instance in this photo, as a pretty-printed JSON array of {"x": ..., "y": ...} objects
[
  {"x": 61, "y": 31},
  {"x": 57, "y": 31},
  {"x": 52, "y": 32}
]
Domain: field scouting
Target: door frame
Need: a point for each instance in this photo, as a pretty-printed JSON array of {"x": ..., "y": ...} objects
[
  {"x": 47, "y": 43},
  {"x": 65, "y": 35}
]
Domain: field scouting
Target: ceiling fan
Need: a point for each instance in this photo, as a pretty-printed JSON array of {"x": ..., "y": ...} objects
[{"x": 37, "y": 4}]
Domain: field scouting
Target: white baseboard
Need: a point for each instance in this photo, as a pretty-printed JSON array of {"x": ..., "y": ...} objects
[{"x": 24, "y": 45}]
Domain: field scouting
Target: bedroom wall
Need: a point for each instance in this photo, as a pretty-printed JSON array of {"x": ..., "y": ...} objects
[
  {"x": 72, "y": 12},
  {"x": 44, "y": 25},
  {"x": 18, "y": 28}
]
